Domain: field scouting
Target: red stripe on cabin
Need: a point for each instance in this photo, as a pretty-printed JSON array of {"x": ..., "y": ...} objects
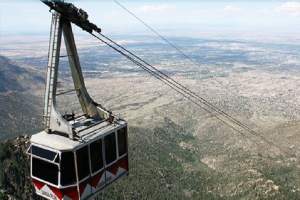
[
  {"x": 71, "y": 193},
  {"x": 38, "y": 184},
  {"x": 82, "y": 186},
  {"x": 57, "y": 192},
  {"x": 123, "y": 163},
  {"x": 95, "y": 180},
  {"x": 114, "y": 168}
]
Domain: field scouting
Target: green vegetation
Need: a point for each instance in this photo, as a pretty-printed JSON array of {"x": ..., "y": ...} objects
[
  {"x": 14, "y": 170},
  {"x": 19, "y": 104},
  {"x": 165, "y": 163},
  {"x": 161, "y": 169},
  {"x": 287, "y": 177}
]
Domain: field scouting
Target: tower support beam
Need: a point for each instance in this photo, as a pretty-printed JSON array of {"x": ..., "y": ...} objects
[
  {"x": 87, "y": 104},
  {"x": 54, "y": 121}
]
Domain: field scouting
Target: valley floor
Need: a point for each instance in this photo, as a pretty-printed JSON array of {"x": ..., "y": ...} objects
[{"x": 177, "y": 151}]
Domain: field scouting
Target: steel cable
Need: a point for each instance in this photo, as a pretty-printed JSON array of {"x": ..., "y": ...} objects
[{"x": 185, "y": 92}]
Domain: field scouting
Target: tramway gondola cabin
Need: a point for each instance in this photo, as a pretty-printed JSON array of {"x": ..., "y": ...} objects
[{"x": 67, "y": 169}]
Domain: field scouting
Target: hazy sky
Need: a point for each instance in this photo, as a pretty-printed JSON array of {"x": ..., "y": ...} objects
[{"x": 170, "y": 17}]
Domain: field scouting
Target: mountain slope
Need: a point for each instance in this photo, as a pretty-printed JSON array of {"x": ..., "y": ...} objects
[
  {"x": 164, "y": 164},
  {"x": 20, "y": 104},
  {"x": 16, "y": 78}
]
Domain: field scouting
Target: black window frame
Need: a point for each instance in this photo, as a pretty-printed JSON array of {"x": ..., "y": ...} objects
[
  {"x": 83, "y": 171},
  {"x": 110, "y": 158},
  {"x": 122, "y": 147},
  {"x": 71, "y": 170},
  {"x": 44, "y": 165},
  {"x": 96, "y": 155},
  {"x": 43, "y": 153}
]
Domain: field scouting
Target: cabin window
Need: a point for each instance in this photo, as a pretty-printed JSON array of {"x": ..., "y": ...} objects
[
  {"x": 83, "y": 162},
  {"x": 45, "y": 171},
  {"x": 67, "y": 167},
  {"x": 96, "y": 155},
  {"x": 122, "y": 141},
  {"x": 43, "y": 153},
  {"x": 110, "y": 148}
]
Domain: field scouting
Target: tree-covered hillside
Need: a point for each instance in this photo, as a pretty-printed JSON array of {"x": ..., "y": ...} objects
[
  {"x": 165, "y": 164},
  {"x": 21, "y": 104}
]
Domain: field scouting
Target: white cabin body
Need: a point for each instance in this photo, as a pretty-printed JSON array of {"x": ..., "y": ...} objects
[{"x": 62, "y": 168}]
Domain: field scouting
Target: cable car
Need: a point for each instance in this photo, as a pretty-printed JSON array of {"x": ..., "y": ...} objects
[
  {"x": 68, "y": 169},
  {"x": 76, "y": 156}
]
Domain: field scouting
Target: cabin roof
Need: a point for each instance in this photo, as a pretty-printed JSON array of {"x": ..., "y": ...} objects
[{"x": 86, "y": 134}]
